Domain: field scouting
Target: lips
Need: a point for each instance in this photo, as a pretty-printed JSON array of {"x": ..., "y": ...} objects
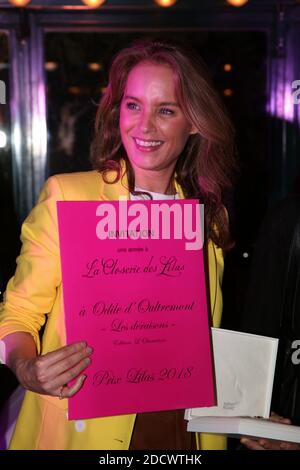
[{"x": 147, "y": 145}]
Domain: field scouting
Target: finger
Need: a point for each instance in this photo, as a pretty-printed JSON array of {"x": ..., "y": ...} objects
[
  {"x": 289, "y": 446},
  {"x": 59, "y": 354},
  {"x": 67, "y": 363},
  {"x": 71, "y": 373},
  {"x": 68, "y": 392},
  {"x": 279, "y": 419},
  {"x": 272, "y": 444},
  {"x": 251, "y": 444},
  {"x": 269, "y": 444}
]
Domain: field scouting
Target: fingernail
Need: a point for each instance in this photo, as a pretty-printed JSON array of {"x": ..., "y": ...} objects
[
  {"x": 89, "y": 350},
  {"x": 83, "y": 344},
  {"x": 83, "y": 377}
]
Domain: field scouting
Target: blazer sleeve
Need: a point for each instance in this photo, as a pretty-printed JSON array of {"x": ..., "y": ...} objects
[
  {"x": 31, "y": 291},
  {"x": 215, "y": 270}
]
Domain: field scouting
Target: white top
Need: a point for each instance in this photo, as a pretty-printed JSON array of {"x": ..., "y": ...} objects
[{"x": 156, "y": 196}]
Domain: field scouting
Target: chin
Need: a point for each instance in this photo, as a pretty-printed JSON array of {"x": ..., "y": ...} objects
[
  {"x": 145, "y": 161},
  {"x": 154, "y": 166}
]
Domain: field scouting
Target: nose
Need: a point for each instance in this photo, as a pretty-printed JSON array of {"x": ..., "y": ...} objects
[{"x": 147, "y": 122}]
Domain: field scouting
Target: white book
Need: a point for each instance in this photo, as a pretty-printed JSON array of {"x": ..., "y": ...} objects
[
  {"x": 244, "y": 369},
  {"x": 253, "y": 427}
]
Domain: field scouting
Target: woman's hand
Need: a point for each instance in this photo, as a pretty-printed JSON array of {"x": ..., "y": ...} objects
[
  {"x": 49, "y": 374},
  {"x": 271, "y": 444}
]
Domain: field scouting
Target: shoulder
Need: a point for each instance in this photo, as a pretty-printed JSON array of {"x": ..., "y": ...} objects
[
  {"x": 76, "y": 178},
  {"x": 79, "y": 186}
]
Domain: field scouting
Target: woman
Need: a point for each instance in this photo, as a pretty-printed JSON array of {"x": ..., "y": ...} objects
[{"x": 160, "y": 130}]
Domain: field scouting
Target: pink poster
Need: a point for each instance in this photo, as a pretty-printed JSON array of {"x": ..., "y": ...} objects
[{"x": 134, "y": 290}]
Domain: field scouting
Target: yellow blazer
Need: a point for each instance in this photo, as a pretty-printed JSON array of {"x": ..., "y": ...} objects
[{"x": 34, "y": 295}]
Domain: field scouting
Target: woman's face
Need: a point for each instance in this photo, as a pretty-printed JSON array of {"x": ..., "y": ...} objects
[{"x": 153, "y": 127}]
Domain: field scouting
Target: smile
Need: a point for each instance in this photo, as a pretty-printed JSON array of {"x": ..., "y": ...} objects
[{"x": 147, "y": 144}]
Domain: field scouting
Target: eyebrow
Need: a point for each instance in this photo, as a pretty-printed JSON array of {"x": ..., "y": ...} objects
[{"x": 163, "y": 103}]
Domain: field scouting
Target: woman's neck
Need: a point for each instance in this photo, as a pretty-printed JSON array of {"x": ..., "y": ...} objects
[{"x": 156, "y": 182}]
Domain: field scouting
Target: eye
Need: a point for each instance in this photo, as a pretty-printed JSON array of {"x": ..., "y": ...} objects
[
  {"x": 132, "y": 105},
  {"x": 166, "y": 111}
]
